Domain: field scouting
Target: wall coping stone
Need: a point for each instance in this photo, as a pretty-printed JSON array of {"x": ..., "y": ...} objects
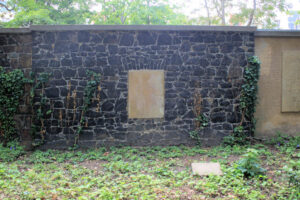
[
  {"x": 128, "y": 27},
  {"x": 277, "y": 33},
  {"x": 15, "y": 30},
  {"x": 258, "y": 32},
  {"x": 141, "y": 27}
]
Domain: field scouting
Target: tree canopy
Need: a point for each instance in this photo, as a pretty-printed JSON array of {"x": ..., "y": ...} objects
[{"x": 22, "y": 13}]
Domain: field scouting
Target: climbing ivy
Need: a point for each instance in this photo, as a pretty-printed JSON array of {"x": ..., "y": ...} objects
[
  {"x": 201, "y": 120},
  {"x": 40, "y": 105},
  {"x": 11, "y": 92},
  {"x": 248, "y": 100},
  {"x": 93, "y": 85}
]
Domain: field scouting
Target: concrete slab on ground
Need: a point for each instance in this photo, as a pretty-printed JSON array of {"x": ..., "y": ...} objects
[{"x": 208, "y": 168}]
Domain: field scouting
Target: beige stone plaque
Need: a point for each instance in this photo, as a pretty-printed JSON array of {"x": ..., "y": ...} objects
[
  {"x": 204, "y": 169},
  {"x": 290, "y": 81},
  {"x": 146, "y": 93}
]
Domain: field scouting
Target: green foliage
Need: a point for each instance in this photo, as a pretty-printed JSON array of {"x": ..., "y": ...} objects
[
  {"x": 285, "y": 143},
  {"x": 238, "y": 137},
  {"x": 241, "y": 13},
  {"x": 160, "y": 12},
  {"x": 40, "y": 105},
  {"x": 32, "y": 12},
  {"x": 248, "y": 100},
  {"x": 202, "y": 120},
  {"x": 90, "y": 89},
  {"x": 264, "y": 15},
  {"x": 249, "y": 165},
  {"x": 93, "y": 85},
  {"x": 138, "y": 12},
  {"x": 293, "y": 173},
  {"x": 249, "y": 92},
  {"x": 11, "y": 152},
  {"x": 11, "y": 92},
  {"x": 195, "y": 135},
  {"x": 143, "y": 173}
]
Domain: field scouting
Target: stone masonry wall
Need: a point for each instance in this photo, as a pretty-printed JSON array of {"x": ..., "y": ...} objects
[
  {"x": 206, "y": 62},
  {"x": 209, "y": 63},
  {"x": 15, "y": 53}
]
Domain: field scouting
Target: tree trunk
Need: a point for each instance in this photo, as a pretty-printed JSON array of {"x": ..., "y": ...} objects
[
  {"x": 252, "y": 14},
  {"x": 220, "y": 8},
  {"x": 223, "y": 11},
  {"x": 148, "y": 8},
  {"x": 208, "y": 13}
]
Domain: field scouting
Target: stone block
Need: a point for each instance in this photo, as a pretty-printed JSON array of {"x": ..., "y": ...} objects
[
  {"x": 25, "y": 60},
  {"x": 145, "y": 38},
  {"x": 126, "y": 40},
  {"x": 204, "y": 169}
]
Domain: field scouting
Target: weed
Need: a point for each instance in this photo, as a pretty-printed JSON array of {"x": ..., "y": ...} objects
[
  {"x": 145, "y": 173},
  {"x": 249, "y": 165},
  {"x": 293, "y": 172},
  {"x": 285, "y": 143},
  {"x": 11, "y": 152}
]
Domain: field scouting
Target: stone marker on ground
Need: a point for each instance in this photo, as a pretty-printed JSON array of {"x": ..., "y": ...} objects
[{"x": 206, "y": 168}]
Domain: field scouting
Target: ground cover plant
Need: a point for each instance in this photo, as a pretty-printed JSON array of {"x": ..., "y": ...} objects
[{"x": 151, "y": 173}]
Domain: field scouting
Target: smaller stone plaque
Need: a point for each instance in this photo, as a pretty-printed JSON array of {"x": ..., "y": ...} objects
[{"x": 204, "y": 169}]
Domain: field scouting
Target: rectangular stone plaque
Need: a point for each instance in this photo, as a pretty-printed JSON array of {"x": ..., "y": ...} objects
[
  {"x": 146, "y": 93},
  {"x": 203, "y": 169},
  {"x": 290, "y": 81}
]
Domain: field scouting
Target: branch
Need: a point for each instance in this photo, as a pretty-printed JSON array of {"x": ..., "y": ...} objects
[
  {"x": 223, "y": 11},
  {"x": 216, "y": 6},
  {"x": 4, "y": 6},
  {"x": 252, "y": 13},
  {"x": 208, "y": 14},
  {"x": 220, "y": 10}
]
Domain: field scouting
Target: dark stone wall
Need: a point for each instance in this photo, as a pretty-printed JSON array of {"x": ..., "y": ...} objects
[
  {"x": 208, "y": 62},
  {"x": 16, "y": 53}
]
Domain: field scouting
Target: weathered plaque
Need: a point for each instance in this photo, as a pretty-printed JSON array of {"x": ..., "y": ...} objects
[
  {"x": 146, "y": 93},
  {"x": 291, "y": 81},
  {"x": 204, "y": 169}
]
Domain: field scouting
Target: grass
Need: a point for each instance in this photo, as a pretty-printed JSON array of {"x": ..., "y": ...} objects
[{"x": 146, "y": 173}]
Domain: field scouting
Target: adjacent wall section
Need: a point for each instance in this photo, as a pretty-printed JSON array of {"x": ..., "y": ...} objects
[
  {"x": 16, "y": 53},
  {"x": 273, "y": 114}
]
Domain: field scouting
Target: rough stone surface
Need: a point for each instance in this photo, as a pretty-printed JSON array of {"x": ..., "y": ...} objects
[
  {"x": 193, "y": 61},
  {"x": 16, "y": 53},
  {"x": 204, "y": 169}
]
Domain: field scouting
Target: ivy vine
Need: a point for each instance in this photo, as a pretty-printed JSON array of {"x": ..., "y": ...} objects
[
  {"x": 201, "y": 120},
  {"x": 40, "y": 106},
  {"x": 11, "y": 92},
  {"x": 249, "y": 92},
  {"x": 248, "y": 101},
  {"x": 90, "y": 94}
]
